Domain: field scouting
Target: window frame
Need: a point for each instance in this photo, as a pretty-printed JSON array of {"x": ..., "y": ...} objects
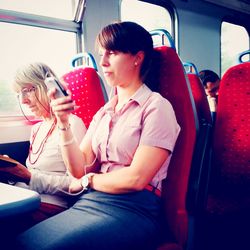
[
  {"x": 173, "y": 16},
  {"x": 26, "y": 19},
  {"x": 234, "y": 21},
  {"x": 15, "y": 17}
]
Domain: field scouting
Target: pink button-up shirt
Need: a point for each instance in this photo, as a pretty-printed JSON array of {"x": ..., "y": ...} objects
[{"x": 146, "y": 119}]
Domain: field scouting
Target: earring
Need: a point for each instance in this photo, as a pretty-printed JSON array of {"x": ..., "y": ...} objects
[{"x": 136, "y": 63}]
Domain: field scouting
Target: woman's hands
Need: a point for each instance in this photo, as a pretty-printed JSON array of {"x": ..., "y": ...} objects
[
  {"x": 75, "y": 186},
  {"x": 83, "y": 183}
]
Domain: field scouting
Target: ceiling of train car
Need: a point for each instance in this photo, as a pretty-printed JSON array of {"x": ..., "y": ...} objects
[{"x": 240, "y": 5}]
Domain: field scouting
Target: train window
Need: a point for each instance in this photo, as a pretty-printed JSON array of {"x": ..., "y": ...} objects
[
  {"x": 32, "y": 34},
  {"x": 231, "y": 45},
  {"x": 42, "y": 7},
  {"x": 22, "y": 44},
  {"x": 139, "y": 11}
]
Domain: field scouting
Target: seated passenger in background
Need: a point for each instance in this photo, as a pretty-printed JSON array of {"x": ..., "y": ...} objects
[
  {"x": 46, "y": 171},
  {"x": 211, "y": 83},
  {"x": 122, "y": 159}
]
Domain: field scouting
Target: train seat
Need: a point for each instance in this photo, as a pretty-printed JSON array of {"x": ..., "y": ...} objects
[
  {"x": 229, "y": 200},
  {"x": 87, "y": 88},
  {"x": 204, "y": 139},
  {"x": 174, "y": 87},
  {"x": 198, "y": 92},
  {"x": 201, "y": 167}
]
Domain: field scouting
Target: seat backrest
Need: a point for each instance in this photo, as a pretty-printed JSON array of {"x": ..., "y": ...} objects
[
  {"x": 198, "y": 92},
  {"x": 227, "y": 215},
  {"x": 174, "y": 87},
  {"x": 231, "y": 144},
  {"x": 201, "y": 164},
  {"x": 86, "y": 87}
]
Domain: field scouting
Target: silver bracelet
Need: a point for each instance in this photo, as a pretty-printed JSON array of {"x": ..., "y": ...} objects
[
  {"x": 66, "y": 143},
  {"x": 65, "y": 128}
]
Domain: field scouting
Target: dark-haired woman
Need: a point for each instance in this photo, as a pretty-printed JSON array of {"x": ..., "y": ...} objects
[{"x": 122, "y": 159}]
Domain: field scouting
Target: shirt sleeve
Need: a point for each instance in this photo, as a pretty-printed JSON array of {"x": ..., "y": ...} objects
[
  {"x": 159, "y": 124},
  {"x": 93, "y": 124},
  {"x": 49, "y": 184},
  {"x": 78, "y": 128}
]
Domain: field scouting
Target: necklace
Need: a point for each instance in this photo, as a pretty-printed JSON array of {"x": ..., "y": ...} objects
[{"x": 39, "y": 150}]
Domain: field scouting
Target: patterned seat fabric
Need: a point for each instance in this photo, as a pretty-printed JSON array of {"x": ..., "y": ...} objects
[
  {"x": 87, "y": 92},
  {"x": 200, "y": 170},
  {"x": 231, "y": 145},
  {"x": 199, "y": 94},
  {"x": 174, "y": 87},
  {"x": 200, "y": 98},
  {"x": 227, "y": 218}
]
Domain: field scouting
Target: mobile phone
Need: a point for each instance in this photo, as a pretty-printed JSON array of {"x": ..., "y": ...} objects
[{"x": 51, "y": 82}]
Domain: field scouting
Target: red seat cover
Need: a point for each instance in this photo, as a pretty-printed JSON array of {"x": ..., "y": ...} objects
[
  {"x": 200, "y": 98},
  {"x": 174, "y": 87},
  {"x": 231, "y": 147},
  {"x": 85, "y": 85}
]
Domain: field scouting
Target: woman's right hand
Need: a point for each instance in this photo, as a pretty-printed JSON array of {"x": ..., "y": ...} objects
[{"x": 75, "y": 186}]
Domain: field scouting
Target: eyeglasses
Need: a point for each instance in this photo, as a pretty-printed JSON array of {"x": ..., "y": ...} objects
[{"x": 26, "y": 92}]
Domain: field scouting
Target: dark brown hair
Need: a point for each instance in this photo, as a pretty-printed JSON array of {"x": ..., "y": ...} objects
[
  {"x": 128, "y": 37},
  {"x": 208, "y": 76}
]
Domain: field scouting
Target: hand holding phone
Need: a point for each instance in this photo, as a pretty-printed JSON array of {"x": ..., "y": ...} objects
[{"x": 51, "y": 82}]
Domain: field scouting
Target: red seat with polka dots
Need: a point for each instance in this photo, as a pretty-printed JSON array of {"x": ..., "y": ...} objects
[
  {"x": 228, "y": 206},
  {"x": 231, "y": 146},
  {"x": 87, "y": 91},
  {"x": 198, "y": 92},
  {"x": 174, "y": 86}
]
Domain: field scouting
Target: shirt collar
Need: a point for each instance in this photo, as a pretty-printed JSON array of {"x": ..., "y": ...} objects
[{"x": 140, "y": 96}]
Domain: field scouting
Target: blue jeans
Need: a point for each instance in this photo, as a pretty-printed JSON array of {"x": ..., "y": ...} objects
[{"x": 99, "y": 221}]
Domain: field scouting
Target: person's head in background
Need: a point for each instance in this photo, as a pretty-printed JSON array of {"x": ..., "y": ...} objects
[
  {"x": 211, "y": 82},
  {"x": 31, "y": 89}
]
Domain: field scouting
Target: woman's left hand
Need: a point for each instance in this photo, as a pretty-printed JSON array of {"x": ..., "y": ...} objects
[{"x": 75, "y": 186}]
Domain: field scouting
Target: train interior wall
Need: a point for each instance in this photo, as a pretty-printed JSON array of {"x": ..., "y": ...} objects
[{"x": 193, "y": 16}]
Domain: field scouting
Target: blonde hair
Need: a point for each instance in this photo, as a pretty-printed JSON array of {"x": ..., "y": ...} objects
[{"x": 34, "y": 74}]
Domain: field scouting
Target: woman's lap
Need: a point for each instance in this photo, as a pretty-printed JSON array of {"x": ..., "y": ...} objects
[{"x": 99, "y": 221}]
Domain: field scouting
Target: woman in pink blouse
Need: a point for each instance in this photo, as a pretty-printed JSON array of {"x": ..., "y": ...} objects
[{"x": 122, "y": 159}]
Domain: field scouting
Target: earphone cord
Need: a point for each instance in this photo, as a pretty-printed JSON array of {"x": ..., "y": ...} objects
[
  {"x": 23, "y": 112},
  {"x": 85, "y": 172},
  {"x": 49, "y": 111},
  {"x": 68, "y": 193}
]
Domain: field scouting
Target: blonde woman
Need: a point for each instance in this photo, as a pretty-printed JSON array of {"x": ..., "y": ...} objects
[{"x": 45, "y": 170}]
